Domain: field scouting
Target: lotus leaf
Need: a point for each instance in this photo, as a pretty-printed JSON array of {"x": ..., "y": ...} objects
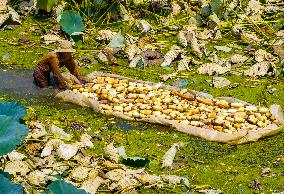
[
  {"x": 12, "y": 133},
  {"x": 71, "y": 22},
  {"x": 132, "y": 161},
  {"x": 12, "y": 109},
  {"x": 61, "y": 187},
  {"x": 7, "y": 187},
  {"x": 136, "y": 161},
  {"x": 46, "y": 5},
  {"x": 217, "y": 6},
  {"x": 118, "y": 41}
]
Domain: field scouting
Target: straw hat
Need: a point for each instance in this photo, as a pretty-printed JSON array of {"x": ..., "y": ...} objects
[{"x": 65, "y": 47}]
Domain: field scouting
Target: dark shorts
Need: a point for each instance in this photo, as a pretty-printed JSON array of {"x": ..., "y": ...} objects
[{"x": 44, "y": 79}]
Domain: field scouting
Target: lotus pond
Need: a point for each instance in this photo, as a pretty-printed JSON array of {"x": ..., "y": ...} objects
[{"x": 256, "y": 167}]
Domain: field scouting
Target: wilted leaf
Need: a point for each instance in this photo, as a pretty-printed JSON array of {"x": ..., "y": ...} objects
[
  {"x": 61, "y": 187},
  {"x": 12, "y": 109},
  {"x": 71, "y": 22},
  {"x": 117, "y": 41},
  {"x": 46, "y": 5},
  {"x": 12, "y": 134},
  {"x": 8, "y": 187},
  {"x": 223, "y": 48}
]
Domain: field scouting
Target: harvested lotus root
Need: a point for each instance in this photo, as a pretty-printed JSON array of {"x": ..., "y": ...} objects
[{"x": 120, "y": 96}]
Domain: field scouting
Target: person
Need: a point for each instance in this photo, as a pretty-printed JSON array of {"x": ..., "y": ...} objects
[{"x": 52, "y": 62}]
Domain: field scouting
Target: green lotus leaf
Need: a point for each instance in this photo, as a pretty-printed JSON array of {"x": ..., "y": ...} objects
[
  {"x": 46, "y": 5},
  {"x": 217, "y": 7},
  {"x": 12, "y": 133},
  {"x": 7, "y": 187},
  {"x": 136, "y": 161},
  {"x": 61, "y": 187},
  {"x": 12, "y": 109},
  {"x": 71, "y": 22}
]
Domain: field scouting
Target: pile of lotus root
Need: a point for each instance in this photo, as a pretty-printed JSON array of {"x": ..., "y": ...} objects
[{"x": 143, "y": 100}]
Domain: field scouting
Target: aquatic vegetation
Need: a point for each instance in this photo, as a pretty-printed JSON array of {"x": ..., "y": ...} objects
[{"x": 244, "y": 26}]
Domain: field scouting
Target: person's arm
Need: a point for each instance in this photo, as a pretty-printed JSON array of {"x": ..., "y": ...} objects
[
  {"x": 74, "y": 69},
  {"x": 55, "y": 68}
]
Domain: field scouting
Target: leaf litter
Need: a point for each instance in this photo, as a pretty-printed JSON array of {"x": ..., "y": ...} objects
[{"x": 86, "y": 171}]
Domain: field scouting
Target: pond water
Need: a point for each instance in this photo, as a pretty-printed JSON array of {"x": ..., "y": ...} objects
[{"x": 19, "y": 84}]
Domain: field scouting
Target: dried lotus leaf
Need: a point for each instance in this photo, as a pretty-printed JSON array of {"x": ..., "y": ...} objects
[
  {"x": 176, "y": 9},
  {"x": 131, "y": 51},
  {"x": 258, "y": 69},
  {"x": 80, "y": 173},
  {"x": 59, "y": 133},
  {"x": 14, "y": 155},
  {"x": 67, "y": 151},
  {"x": 148, "y": 179},
  {"x": 237, "y": 58},
  {"x": 251, "y": 38},
  {"x": 50, "y": 146},
  {"x": 51, "y": 38},
  {"x": 171, "y": 55},
  {"x": 169, "y": 156},
  {"x": 17, "y": 167},
  {"x": 130, "y": 39},
  {"x": 116, "y": 174},
  {"x": 144, "y": 41},
  {"x": 37, "y": 130},
  {"x": 37, "y": 178},
  {"x": 111, "y": 153},
  {"x": 3, "y": 5},
  {"x": 92, "y": 185},
  {"x": 135, "y": 61},
  {"x": 34, "y": 148},
  {"x": 85, "y": 139},
  {"x": 171, "y": 179},
  {"x": 211, "y": 68},
  {"x": 144, "y": 25},
  {"x": 195, "y": 46},
  {"x": 105, "y": 35},
  {"x": 125, "y": 182},
  {"x": 183, "y": 64},
  {"x": 261, "y": 55},
  {"x": 182, "y": 39},
  {"x": 109, "y": 165}
]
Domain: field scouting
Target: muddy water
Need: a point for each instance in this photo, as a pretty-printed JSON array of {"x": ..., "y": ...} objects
[{"x": 19, "y": 84}]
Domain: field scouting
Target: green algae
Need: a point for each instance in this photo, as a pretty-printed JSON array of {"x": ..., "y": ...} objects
[{"x": 230, "y": 168}]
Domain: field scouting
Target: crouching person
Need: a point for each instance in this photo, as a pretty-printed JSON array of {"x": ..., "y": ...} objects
[{"x": 52, "y": 62}]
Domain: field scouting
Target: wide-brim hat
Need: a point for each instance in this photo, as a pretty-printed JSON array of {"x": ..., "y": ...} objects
[{"x": 66, "y": 47}]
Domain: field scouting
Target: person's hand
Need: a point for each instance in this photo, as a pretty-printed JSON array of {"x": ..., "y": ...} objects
[
  {"x": 70, "y": 79},
  {"x": 63, "y": 87},
  {"x": 82, "y": 80}
]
